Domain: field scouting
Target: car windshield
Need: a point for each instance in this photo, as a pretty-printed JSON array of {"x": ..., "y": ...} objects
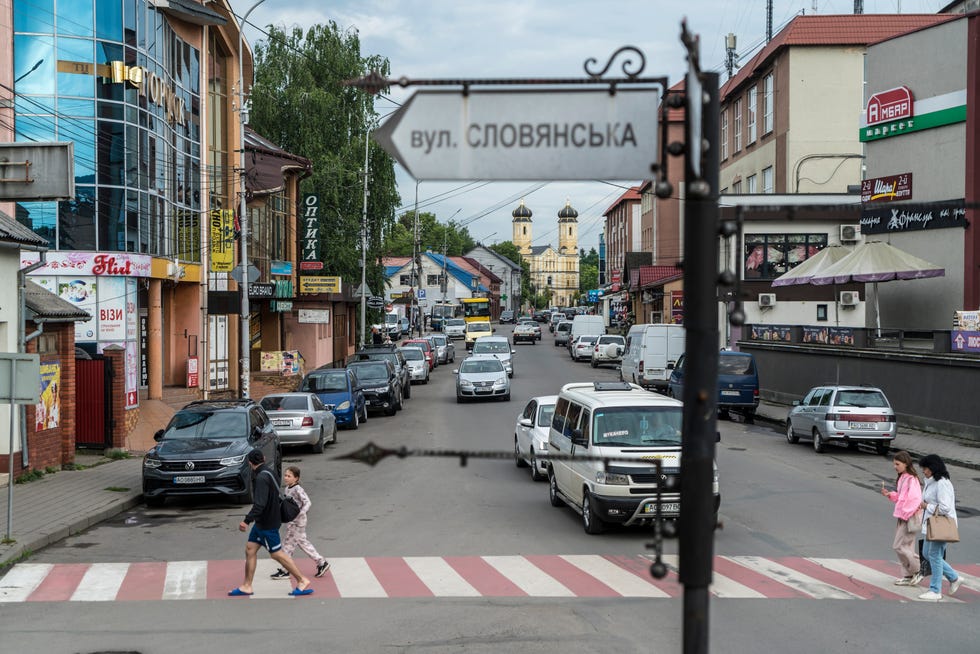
[
  {"x": 455, "y": 322},
  {"x": 327, "y": 381},
  {"x": 424, "y": 346},
  {"x": 439, "y": 340},
  {"x": 545, "y": 414},
  {"x": 734, "y": 365},
  {"x": 193, "y": 425},
  {"x": 391, "y": 319},
  {"x": 371, "y": 372},
  {"x": 587, "y": 340},
  {"x": 861, "y": 399},
  {"x": 479, "y": 327},
  {"x": 481, "y": 365},
  {"x": 413, "y": 354},
  {"x": 490, "y": 347},
  {"x": 638, "y": 426},
  {"x": 285, "y": 403},
  {"x": 564, "y": 326}
]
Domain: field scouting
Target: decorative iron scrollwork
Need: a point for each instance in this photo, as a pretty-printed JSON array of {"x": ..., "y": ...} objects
[{"x": 592, "y": 61}]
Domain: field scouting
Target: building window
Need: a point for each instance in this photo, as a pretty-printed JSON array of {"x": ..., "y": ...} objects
[
  {"x": 738, "y": 125},
  {"x": 724, "y": 134},
  {"x": 767, "y": 181},
  {"x": 768, "y": 100},
  {"x": 750, "y": 184},
  {"x": 821, "y": 312},
  {"x": 751, "y": 103},
  {"x": 405, "y": 280},
  {"x": 737, "y": 188},
  {"x": 768, "y": 256},
  {"x": 432, "y": 280}
]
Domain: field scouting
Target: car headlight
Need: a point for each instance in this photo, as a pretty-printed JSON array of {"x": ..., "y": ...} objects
[
  {"x": 379, "y": 389},
  {"x": 149, "y": 462},
  {"x": 343, "y": 406},
  {"x": 611, "y": 478},
  {"x": 465, "y": 383},
  {"x": 541, "y": 445},
  {"x": 233, "y": 460},
  {"x": 501, "y": 382}
]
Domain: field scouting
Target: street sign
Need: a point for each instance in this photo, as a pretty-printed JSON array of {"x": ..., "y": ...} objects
[
  {"x": 420, "y": 293},
  {"x": 261, "y": 290},
  {"x": 362, "y": 291},
  {"x": 525, "y": 135},
  {"x": 253, "y": 273},
  {"x": 375, "y": 302}
]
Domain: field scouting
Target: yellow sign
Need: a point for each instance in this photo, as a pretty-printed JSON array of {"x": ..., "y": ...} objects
[
  {"x": 310, "y": 285},
  {"x": 150, "y": 85},
  {"x": 222, "y": 241}
]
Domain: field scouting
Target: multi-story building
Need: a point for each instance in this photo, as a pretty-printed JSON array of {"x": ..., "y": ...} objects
[
  {"x": 554, "y": 270},
  {"x": 623, "y": 234}
]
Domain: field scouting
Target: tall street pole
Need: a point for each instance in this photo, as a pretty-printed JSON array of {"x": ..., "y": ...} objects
[
  {"x": 246, "y": 340},
  {"x": 416, "y": 263},
  {"x": 364, "y": 232}
]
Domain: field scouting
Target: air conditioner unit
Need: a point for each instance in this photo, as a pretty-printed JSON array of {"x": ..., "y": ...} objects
[
  {"x": 850, "y": 233},
  {"x": 767, "y": 300},
  {"x": 849, "y": 298}
]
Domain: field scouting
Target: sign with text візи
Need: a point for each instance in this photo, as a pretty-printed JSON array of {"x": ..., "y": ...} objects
[
  {"x": 222, "y": 240},
  {"x": 310, "y": 234}
]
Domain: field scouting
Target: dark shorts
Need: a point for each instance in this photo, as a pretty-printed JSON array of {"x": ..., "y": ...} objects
[{"x": 267, "y": 538}]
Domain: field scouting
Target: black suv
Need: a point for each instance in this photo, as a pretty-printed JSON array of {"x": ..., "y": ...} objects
[
  {"x": 506, "y": 316},
  {"x": 381, "y": 385},
  {"x": 202, "y": 451},
  {"x": 388, "y": 352}
]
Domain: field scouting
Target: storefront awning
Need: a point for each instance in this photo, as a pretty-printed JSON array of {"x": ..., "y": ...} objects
[{"x": 189, "y": 11}]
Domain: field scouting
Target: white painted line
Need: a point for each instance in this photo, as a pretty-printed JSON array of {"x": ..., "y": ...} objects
[
  {"x": 354, "y": 578},
  {"x": 528, "y": 577},
  {"x": 721, "y": 586},
  {"x": 622, "y": 581},
  {"x": 793, "y": 578},
  {"x": 22, "y": 580},
  {"x": 873, "y": 577},
  {"x": 101, "y": 582},
  {"x": 186, "y": 580},
  {"x": 440, "y": 577},
  {"x": 265, "y": 587}
]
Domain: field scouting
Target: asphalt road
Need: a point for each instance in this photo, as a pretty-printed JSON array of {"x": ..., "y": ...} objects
[{"x": 779, "y": 503}]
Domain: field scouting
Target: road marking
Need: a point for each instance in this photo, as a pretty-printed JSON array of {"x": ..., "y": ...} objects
[
  {"x": 794, "y": 579},
  {"x": 101, "y": 582},
  {"x": 22, "y": 580},
  {"x": 186, "y": 580},
  {"x": 622, "y": 581},
  {"x": 439, "y": 577},
  {"x": 354, "y": 578},
  {"x": 528, "y": 577}
]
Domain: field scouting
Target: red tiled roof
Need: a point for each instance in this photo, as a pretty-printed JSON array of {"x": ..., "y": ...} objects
[
  {"x": 633, "y": 194},
  {"x": 395, "y": 261},
  {"x": 651, "y": 275},
  {"x": 844, "y": 29}
]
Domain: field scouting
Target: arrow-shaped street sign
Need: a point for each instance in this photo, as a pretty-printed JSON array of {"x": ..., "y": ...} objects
[{"x": 525, "y": 135}]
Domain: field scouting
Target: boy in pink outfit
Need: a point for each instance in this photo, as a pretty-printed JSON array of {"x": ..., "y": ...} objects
[
  {"x": 907, "y": 497},
  {"x": 296, "y": 530}
]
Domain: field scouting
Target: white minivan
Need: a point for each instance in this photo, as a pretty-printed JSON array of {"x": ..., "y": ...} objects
[
  {"x": 650, "y": 349},
  {"x": 586, "y": 325},
  {"x": 617, "y": 420}
]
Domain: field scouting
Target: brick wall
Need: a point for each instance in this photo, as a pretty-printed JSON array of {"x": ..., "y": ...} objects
[{"x": 123, "y": 421}]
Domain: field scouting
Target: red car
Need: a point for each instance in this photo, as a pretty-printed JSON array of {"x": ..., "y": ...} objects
[{"x": 426, "y": 348}]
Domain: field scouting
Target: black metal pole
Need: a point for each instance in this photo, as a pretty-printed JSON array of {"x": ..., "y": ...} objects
[{"x": 697, "y": 524}]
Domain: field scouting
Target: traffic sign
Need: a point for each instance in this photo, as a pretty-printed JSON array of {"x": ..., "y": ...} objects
[
  {"x": 525, "y": 135},
  {"x": 362, "y": 291},
  {"x": 420, "y": 293},
  {"x": 375, "y": 302},
  {"x": 253, "y": 273}
]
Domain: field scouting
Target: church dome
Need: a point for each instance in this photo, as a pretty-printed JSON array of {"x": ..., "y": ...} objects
[
  {"x": 521, "y": 214},
  {"x": 567, "y": 214}
]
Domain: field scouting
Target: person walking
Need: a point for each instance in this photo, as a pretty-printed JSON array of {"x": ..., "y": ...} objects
[
  {"x": 938, "y": 498},
  {"x": 265, "y": 531},
  {"x": 376, "y": 337},
  {"x": 296, "y": 530},
  {"x": 907, "y": 496}
]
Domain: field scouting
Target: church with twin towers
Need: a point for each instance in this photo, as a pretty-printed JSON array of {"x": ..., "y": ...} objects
[{"x": 554, "y": 269}]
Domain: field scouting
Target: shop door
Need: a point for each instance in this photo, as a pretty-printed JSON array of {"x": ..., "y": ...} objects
[{"x": 93, "y": 403}]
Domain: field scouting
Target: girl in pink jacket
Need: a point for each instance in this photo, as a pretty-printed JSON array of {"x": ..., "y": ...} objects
[{"x": 907, "y": 496}]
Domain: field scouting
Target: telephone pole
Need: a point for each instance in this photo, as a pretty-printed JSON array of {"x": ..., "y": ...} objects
[{"x": 364, "y": 232}]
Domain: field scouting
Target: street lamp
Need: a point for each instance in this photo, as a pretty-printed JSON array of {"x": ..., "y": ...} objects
[
  {"x": 474, "y": 284},
  {"x": 246, "y": 340}
]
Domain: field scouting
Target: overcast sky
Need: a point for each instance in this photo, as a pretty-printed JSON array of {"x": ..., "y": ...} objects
[{"x": 536, "y": 38}]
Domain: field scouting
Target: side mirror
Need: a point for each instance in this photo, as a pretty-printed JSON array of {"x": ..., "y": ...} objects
[
  {"x": 513, "y": 351},
  {"x": 670, "y": 365},
  {"x": 526, "y": 422},
  {"x": 456, "y": 372},
  {"x": 577, "y": 437},
  {"x": 157, "y": 436},
  {"x": 796, "y": 403}
]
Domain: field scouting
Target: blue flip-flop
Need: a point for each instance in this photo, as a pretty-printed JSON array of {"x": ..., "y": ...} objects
[
  {"x": 296, "y": 592},
  {"x": 238, "y": 592}
]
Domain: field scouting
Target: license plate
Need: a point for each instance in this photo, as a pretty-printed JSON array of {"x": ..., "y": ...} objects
[
  {"x": 282, "y": 423},
  {"x": 668, "y": 508},
  {"x": 862, "y": 425},
  {"x": 730, "y": 393},
  {"x": 189, "y": 479},
  {"x": 484, "y": 390}
]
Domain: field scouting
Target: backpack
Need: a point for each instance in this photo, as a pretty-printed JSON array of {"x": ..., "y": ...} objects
[{"x": 288, "y": 507}]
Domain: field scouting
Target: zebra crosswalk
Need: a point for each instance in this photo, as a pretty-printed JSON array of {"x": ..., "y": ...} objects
[{"x": 554, "y": 576}]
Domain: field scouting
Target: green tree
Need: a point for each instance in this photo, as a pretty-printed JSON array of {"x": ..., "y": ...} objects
[
  {"x": 433, "y": 235},
  {"x": 588, "y": 278},
  {"x": 509, "y": 250},
  {"x": 299, "y": 102}
]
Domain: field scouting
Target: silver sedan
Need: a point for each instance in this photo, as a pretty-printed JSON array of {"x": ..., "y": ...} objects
[
  {"x": 301, "y": 419},
  {"x": 531, "y": 435}
]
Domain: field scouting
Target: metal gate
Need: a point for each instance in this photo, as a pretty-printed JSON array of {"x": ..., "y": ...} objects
[{"x": 93, "y": 403}]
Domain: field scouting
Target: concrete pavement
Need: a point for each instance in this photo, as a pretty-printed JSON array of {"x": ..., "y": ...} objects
[{"x": 67, "y": 502}]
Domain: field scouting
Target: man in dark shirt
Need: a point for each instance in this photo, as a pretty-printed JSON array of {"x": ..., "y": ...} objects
[{"x": 265, "y": 531}]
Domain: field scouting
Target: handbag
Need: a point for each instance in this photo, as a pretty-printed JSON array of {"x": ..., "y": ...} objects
[
  {"x": 942, "y": 528},
  {"x": 914, "y": 523}
]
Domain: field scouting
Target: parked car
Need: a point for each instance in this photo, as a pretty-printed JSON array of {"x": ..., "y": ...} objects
[
  {"x": 203, "y": 451},
  {"x": 418, "y": 366},
  {"x": 426, "y": 347},
  {"x": 536, "y": 326},
  {"x": 584, "y": 324},
  {"x": 445, "y": 350},
  {"x": 845, "y": 415},
  {"x": 608, "y": 349},
  {"x": 506, "y": 316},
  {"x": 498, "y": 347},
  {"x": 481, "y": 376},
  {"x": 531, "y": 435},
  {"x": 556, "y": 317},
  {"x": 562, "y": 331},
  {"x": 380, "y": 384},
  {"x": 301, "y": 419},
  {"x": 524, "y": 333},
  {"x": 387, "y": 352},
  {"x": 581, "y": 347},
  {"x": 541, "y": 315},
  {"x": 404, "y": 326},
  {"x": 454, "y": 328},
  {"x": 651, "y": 351},
  {"x": 340, "y": 392},
  {"x": 475, "y": 330},
  {"x": 738, "y": 383}
]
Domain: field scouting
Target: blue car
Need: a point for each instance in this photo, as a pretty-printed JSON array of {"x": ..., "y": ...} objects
[
  {"x": 339, "y": 389},
  {"x": 738, "y": 383}
]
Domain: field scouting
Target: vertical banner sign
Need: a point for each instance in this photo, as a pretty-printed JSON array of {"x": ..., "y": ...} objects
[
  {"x": 310, "y": 239},
  {"x": 222, "y": 243}
]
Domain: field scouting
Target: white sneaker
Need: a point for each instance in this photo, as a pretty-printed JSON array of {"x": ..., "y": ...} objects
[
  {"x": 930, "y": 596},
  {"x": 916, "y": 578},
  {"x": 955, "y": 585},
  {"x": 904, "y": 581}
]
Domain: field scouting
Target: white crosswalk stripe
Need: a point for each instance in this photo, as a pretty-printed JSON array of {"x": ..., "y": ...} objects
[
  {"x": 622, "y": 581},
  {"x": 528, "y": 577},
  {"x": 792, "y": 578},
  {"x": 354, "y": 578},
  {"x": 186, "y": 580},
  {"x": 18, "y": 584},
  {"x": 440, "y": 577},
  {"x": 101, "y": 582}
]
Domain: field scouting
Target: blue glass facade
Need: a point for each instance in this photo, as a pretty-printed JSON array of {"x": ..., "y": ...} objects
[{"x": 114, "y": 78}]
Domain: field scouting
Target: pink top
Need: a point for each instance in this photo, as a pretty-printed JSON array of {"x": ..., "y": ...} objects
[{"x": 907, "y": 498}]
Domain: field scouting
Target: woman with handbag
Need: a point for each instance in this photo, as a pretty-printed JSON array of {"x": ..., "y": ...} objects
[
  {"x": 907, "y": 496},
  {"x": 939, "y": 507}
]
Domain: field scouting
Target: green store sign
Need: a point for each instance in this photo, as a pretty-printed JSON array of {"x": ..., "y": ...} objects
[{"x": 946, "y": 109}]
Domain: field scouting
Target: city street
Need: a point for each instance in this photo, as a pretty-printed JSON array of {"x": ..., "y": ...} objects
[{"x": 804, "y": 555}]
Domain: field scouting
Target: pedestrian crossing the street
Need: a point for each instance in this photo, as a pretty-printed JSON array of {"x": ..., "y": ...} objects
[{"x": 552, "y": 576}]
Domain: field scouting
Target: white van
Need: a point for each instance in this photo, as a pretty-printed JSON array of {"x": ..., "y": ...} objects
[
  {"x": 610, "y": 420},
  {"x": 585, "y": 325},
  {"x": 650, "y": 348}
]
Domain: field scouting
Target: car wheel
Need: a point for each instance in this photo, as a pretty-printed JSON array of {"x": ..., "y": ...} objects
[
  {"x": 318, "y": 445},
  {"x": 592, "y": 523},
  {"x": 791, "y": 436},
  {"x": 553, "y": 489},
  {"x": 364, "y": 414},
  {"x": 594, "y": 364},
  {"x": 156, "y": 501},
  {"x": 535, "y": 473},
  {"x": 391, "y": 410},
  {"x": 724, "y": 414},
  {"x": 334, "y": 439},
  {"x": 518, "y": 459},
  {"x": 401, "y": 401},
  {"x": 750, "y": 416},
  {"x": 356, "y": 422},
  {"x": 247, "y": 497},
  {"x": 459, "y": 399},
  {"x": 408, "y": 390},
  {"x": 882, "y": 447},
  {"x": 819, "y": 446}
]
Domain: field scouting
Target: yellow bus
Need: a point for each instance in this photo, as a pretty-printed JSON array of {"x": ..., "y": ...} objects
[{"x": 476, "y": 309}]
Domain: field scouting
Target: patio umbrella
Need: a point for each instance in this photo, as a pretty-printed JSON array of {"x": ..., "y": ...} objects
[
  {"x": 803, "y": 273},
  {"x": 877, "y": 261}
]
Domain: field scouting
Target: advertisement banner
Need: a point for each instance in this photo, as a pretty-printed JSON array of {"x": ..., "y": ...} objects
[
  {"x": 222, "y": 240},
  {"x": 311, "y": 285},
  {"x": 81, "y": 292},
  {"x": 47, "y": 414},
  {"x": 310, "y": 235},
  {"x": 112, "y": 309}
]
